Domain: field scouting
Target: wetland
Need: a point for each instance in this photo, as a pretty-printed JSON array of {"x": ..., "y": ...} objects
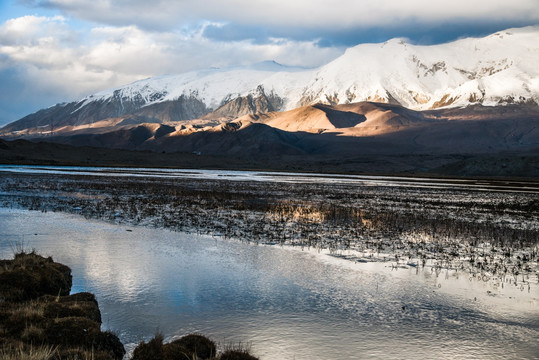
[{"x": 301, "y": 266}]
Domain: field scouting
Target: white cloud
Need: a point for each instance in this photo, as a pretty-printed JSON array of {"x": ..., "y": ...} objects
[
  {"x": 119, "y": 54},
  {"x": 55, "y": 58},
  {"x": 339, "y": 14},
  {"x": 25, "y": 29},
  {"x": 50, "y": 57}
]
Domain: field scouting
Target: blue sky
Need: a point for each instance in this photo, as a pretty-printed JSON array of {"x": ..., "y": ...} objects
[{"x": 61, "y": 50}]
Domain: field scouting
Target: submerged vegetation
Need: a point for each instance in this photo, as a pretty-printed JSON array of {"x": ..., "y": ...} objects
[{"x": 492, "y": 234}]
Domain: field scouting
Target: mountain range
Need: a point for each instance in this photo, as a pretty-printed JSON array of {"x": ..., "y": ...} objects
[{"x": 470, "y": 96}]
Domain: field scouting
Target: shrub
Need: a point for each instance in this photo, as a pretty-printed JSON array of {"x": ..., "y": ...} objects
[
  {"x": 237, "y": 355},
  {"x": 72, "y": 331},
  {"x": 35, "y": 308},
  {"x": 109, "y": 342},
  {"x": 193, "y": 346},
  {"x": 79, "y": 305},
  {"x": 29, "y": 276},
  {"x": 33, "y": 335},
  {"x": 152, "y": 350},
  {"x": 82, "y": 354}
]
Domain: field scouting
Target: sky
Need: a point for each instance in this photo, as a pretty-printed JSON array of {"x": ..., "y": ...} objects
[{"x": 54, "y": 51}]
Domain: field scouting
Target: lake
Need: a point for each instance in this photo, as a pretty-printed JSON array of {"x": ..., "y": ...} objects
[{"x": 286, "y": 303}]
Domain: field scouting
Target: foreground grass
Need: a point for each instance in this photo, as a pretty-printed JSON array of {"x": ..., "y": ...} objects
[
  {"x": 190, "y": 347},
  {"x": 39, "y": 320},
  {"x": 32, "y": 353}
]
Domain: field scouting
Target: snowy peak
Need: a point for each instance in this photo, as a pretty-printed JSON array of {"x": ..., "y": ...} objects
[{"x": 498, "y": 69}]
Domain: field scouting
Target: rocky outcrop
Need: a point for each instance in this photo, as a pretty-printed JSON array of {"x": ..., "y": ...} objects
[
  {"x": 257, "y": 102},
  {"x": 183, "y": 108}
]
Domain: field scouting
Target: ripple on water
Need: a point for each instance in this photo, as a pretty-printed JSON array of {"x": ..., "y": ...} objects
[{"x": 287, "y": 303}]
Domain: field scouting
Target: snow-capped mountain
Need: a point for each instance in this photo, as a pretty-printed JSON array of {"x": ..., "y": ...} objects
[{"x": 498, "y": 69}]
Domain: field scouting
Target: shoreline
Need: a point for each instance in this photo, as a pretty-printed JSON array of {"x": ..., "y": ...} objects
[{"x": 314, "y": 173}]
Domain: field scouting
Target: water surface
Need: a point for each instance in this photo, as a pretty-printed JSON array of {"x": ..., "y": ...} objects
[
  {"x": 266, "y": 176},
  {"x": 289, "y": 304}
]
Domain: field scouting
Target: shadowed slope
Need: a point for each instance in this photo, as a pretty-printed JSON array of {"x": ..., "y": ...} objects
[{"x": 358, "y": 119}]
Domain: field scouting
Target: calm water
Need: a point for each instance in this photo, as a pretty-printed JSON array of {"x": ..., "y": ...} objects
[{"x": 289, "y": 304}]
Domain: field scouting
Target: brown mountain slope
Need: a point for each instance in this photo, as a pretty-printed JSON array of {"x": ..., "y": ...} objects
[
  {"x": 351, "y": 130},
  {"x": 358, "y": 119}
]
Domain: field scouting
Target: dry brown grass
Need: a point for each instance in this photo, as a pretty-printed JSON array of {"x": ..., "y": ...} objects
[
  {"x": 189, "y": 347},
  {"x": 31, "y": 353},
  {"x": 36, "y": 310}
]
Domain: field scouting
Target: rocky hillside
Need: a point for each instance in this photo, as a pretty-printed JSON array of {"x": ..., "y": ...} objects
[{"x": 326, "y": 130}]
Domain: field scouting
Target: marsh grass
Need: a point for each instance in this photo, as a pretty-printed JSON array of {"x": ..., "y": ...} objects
[
  {"x": 30, "y": 275},
  {"x": 442, "y": 225},
  {"x": 189, "y": 347},
  {"x": 35, "y": 309},
  {"x": 45, "y": 352},
  {"x": 236, "y": 351},
  {"x": 20, "y": 247},
  {"x": 236, "y": 355}
]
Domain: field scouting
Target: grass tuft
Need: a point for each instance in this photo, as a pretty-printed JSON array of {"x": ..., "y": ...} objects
[
  {"x": 189, "y": 347},
  {"x": 35, "y": 308},
  {"x": 152, "y": 350},
  {"x": 193, "y": 346},
  {"x": 30, "y": 353},
  {"x": 236, "y": 355},
  {"x": 30, "y": 275}
]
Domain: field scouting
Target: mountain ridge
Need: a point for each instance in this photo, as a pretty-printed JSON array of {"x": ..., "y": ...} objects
[
  {"x": 347, "y": 130},
  {"x": 494, "y": 70},
  {"x": 391, "y": 107}
]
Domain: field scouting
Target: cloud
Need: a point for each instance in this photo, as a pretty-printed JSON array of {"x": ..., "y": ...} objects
[
  {"x": 47, "y": 44},
  {"x": 89, "y": 45},
  {"x": 300, "y": 14},
  {"x": 330, "y": 23},
  {"x": 53, "y": 60}
]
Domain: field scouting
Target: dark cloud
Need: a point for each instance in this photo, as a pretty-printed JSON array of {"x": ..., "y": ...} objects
[
  {"x": 234, "y": 32},
  {"x": 304, "y": 18},
  {"x": 18, "y": 99},
  {"x": 418, "y": 33}
]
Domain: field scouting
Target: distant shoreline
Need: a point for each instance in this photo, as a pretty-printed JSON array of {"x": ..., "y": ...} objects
[
  {"x": 485, "y": 184},
  {"x": 507, "y": 166}
]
